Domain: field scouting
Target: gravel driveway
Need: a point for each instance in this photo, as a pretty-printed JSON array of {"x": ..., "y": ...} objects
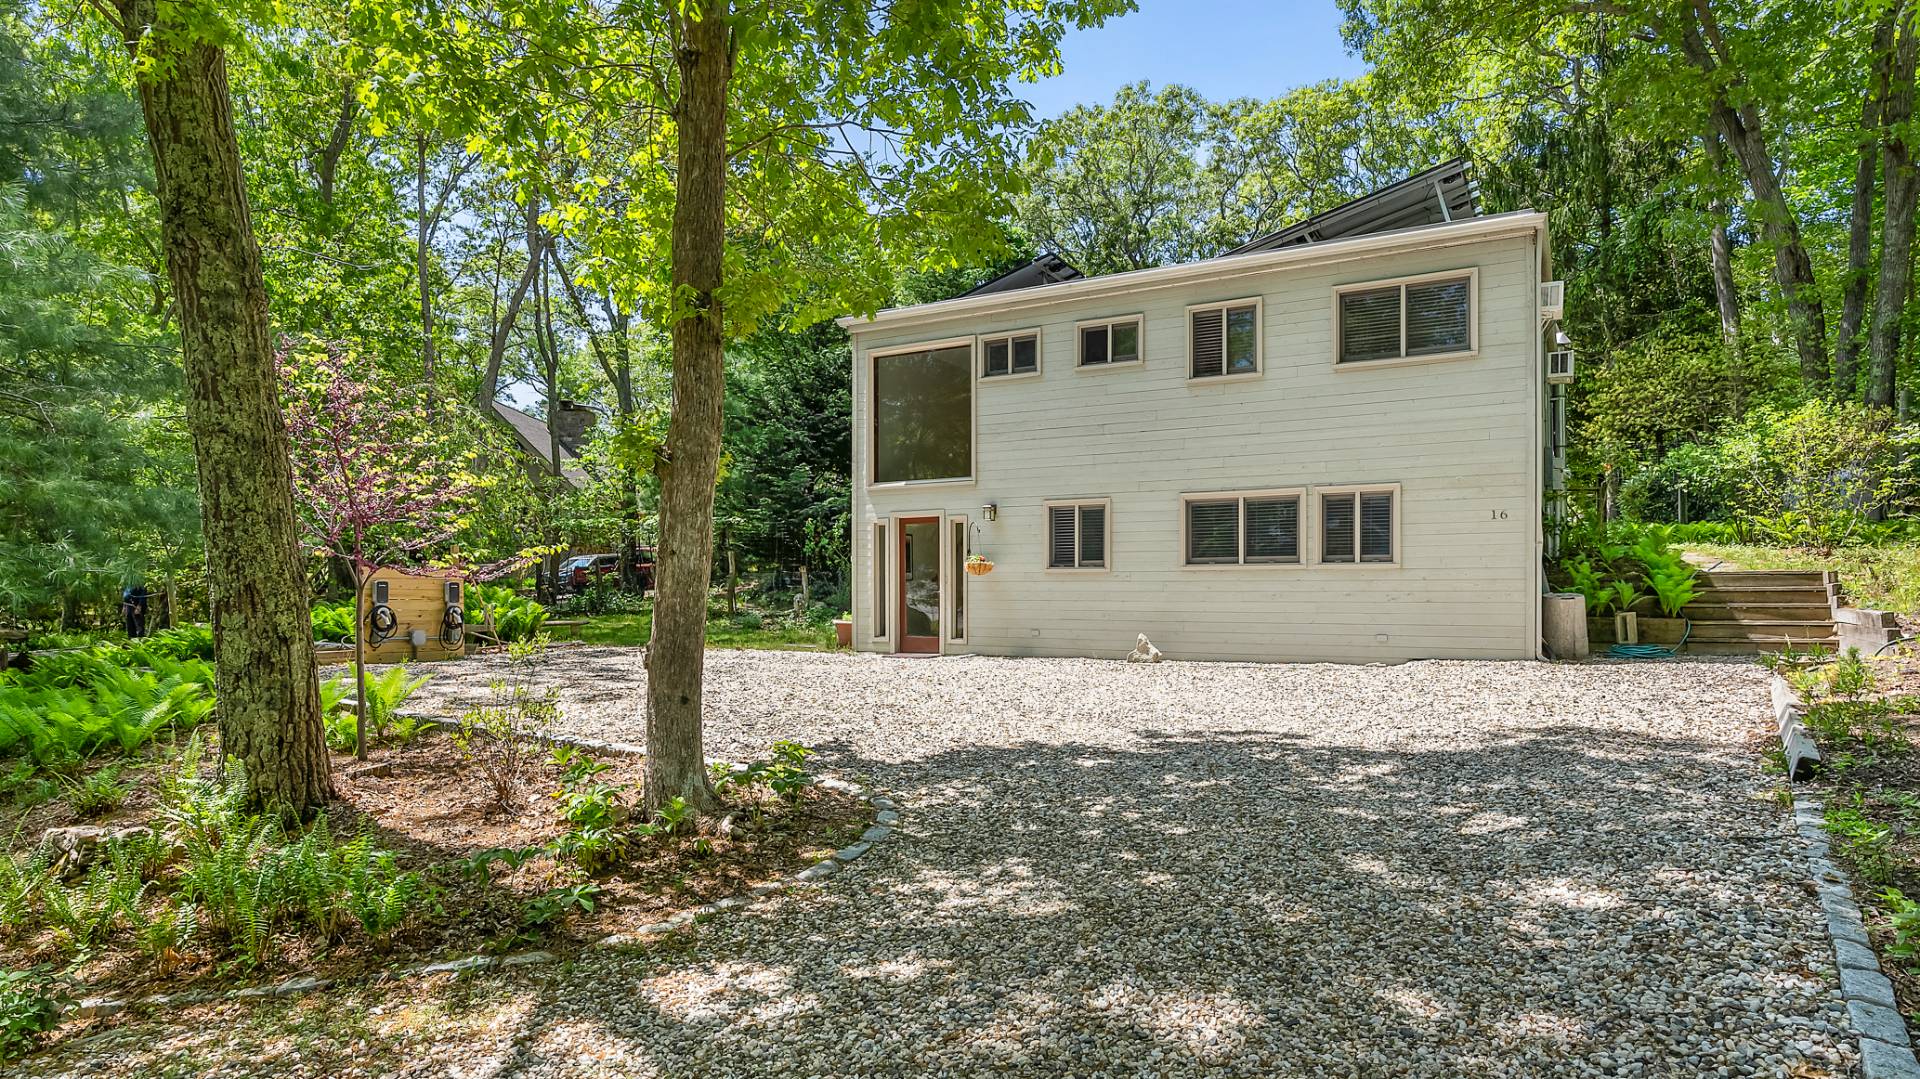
[{"x": 1433, "y": 869}]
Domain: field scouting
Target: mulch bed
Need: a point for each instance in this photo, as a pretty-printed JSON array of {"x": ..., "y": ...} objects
[
  {"x": 1873, "y": 769},
  {"x": 434, "y": 811}
]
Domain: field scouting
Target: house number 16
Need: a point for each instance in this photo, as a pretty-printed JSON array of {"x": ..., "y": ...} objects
[{"x": 1499, "y": 515}]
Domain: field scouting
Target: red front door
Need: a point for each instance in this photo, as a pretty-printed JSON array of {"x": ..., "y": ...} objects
[{"x": 919, "y": 584}]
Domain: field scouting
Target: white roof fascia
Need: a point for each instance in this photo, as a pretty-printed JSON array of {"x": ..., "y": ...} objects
[{"x": 1221, "y": 268}]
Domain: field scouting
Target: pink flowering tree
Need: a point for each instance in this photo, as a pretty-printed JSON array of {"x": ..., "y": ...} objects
[{"x": 375, "y": 482}]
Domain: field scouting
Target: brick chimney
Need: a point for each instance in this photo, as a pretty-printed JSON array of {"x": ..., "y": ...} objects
[{"x": 572, "y": 422}]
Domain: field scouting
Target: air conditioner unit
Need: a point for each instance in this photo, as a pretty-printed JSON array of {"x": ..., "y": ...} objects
[
  {"x": 1553, "y": 298},
  {"x": 1560, "y": 365}
]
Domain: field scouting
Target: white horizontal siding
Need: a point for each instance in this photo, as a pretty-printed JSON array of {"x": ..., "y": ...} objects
[{"x": 1456, "y": 436}]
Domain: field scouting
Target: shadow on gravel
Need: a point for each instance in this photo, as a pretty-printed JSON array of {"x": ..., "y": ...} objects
[{"x": 1251, "y": 904}]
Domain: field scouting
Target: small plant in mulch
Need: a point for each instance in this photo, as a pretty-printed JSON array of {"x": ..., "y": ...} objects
[{"x": 1867, "y": 731}]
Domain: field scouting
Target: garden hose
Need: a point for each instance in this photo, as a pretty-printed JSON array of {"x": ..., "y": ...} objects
[
  {"x": 1652, "y": 651},
  {"x": 453, "y": 626},
  {"x": 381, "y": 623}
]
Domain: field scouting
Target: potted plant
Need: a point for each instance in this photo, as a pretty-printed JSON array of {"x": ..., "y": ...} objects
[
  {"x": 843, "y": 629},
  {"x": 979, "y": 565}
]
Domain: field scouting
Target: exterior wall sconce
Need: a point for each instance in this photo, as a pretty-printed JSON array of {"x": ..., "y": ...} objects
[{"x": 990, "y": 511}]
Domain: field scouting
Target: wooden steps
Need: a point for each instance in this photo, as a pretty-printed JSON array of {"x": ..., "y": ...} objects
[{"x": 1746, "y": 612}]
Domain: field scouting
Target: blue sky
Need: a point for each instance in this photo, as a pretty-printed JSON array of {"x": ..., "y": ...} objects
[{"x": 1223, "y": 48}]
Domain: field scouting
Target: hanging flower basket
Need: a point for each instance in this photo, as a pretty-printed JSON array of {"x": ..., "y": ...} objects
[{"x": 978, "y": 565}]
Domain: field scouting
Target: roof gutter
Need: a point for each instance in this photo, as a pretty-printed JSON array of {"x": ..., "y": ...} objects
[{"x": 1224, "y": 267}]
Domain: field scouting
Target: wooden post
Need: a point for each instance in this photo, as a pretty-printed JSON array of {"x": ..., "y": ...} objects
[{"x": 733, "y": 576}]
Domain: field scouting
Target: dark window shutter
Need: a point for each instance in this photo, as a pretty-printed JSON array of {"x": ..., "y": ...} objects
[
  {"x": 1026, "y": 354},
  {"x": 1126, "y": 342},
  {"x": 1213, "y": 531},
  {"x": 1093, "y": 535},
  {"x": 1243, "y": 336},
  {"x": 1273, "y": 529},
  {"x": 996, "y": 357},
  {"x": 1376, "y": 527},
  {"x": 1437, "y": 317},
  {"x": 1370, "y": 325},
  {"x": 1093, "y": 345},
  {"x": 1336, "y": 526},
  {"x": 1060, "y": 543},
  {"x": 1208, "y": 344}
]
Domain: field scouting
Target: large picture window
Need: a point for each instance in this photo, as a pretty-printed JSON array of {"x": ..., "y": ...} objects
[
  {"x": 923, "y": 415},
  {"x": 1424, "y": 318}
]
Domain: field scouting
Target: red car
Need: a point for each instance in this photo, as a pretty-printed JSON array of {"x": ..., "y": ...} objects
[{"x": 580, "y": 571}]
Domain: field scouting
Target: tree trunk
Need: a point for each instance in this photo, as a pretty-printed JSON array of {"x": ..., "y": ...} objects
[
  {"x": 328, "y": 166},
  {"x": 1726, "y": 292},
  {"x": 360, "y": 661},
  {"x": 421, "y": 227},
  {"x": 1853, "y": 296},
  {"x": 502, "y": 330},
  {"x": 1902, "y": 185},
  {"x": 1740, "y": 126},
  {"x": 1792, "y": 269},
  {"x": 268, "y": 695},
  {"x": 676, "y": 767}
]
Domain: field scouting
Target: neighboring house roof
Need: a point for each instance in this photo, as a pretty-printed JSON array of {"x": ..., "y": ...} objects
[
  {"x": 1446, "y": 192},
  {"x": 532, "y": 435},
  {"x": 1327, "y": 252},
  {"x": 1047, "y": 269}
]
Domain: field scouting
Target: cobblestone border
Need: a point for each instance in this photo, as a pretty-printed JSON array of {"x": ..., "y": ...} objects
[
  {"x": 1886, "y": 1049},
  {"x": 886, "y": 818}
]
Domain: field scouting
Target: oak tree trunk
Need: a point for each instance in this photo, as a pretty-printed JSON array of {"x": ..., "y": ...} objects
[
  {"x": 1853, "y": 297},
  {"x": 1902, "y": 185},
  {"x": 268, "y": 696},
  {"x": 683, "y": 565}
]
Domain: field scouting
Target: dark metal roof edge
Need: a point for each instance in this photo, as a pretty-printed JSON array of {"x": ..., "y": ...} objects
[{"x": 1431, "y": 174}]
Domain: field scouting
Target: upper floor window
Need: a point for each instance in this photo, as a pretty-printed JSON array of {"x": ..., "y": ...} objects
[
  {"x": 1077, "y": 535},
  {"x": 1223, "y": 339},
  {"x": 1357, "y": 525},
  {"x": 1422, "y": 318},
  {"x": 923, "y": 414},
  {"x": 1010, "y": 354},
  {"x": 1114, "y": 341}
]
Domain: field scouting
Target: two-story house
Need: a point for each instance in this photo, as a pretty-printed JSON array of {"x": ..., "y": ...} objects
[{"x": 1329, "y": 444}]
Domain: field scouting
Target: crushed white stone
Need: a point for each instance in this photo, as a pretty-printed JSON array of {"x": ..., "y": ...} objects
[{"x": 1175, "y": 869}]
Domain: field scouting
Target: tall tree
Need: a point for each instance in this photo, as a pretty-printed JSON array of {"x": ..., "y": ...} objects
[
  {"x": 1902, "y": 185},
  {"x": 268, "y": 694},
  {"x": 790, "y": 156}
]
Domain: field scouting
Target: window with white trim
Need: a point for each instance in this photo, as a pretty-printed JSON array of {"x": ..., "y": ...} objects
[
  {"x": 1077, "y": 535},
  {"x": 879, "y": 580},
  {"x": 1010, "y": 354},
  {"x": 957, "y": 555},
  {"x": 1425, "y": 318},
  {"x": 1238, "y": 529},
  {"x": 1115, "y": 341},
  {"x": 1223, "y": 339},
  {"x": 1357, "y": 526}
]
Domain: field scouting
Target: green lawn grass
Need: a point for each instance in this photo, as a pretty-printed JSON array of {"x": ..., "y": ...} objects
[
  {"x": 748, "y": 629},
  {"x": 1885, "y": 578}
]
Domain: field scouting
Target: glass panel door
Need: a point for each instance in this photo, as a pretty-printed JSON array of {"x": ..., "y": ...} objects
[{"x": 920, "y": 584}]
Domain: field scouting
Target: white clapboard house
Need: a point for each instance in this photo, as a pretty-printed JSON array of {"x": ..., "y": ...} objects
[{"x": 1329, "y": 444}]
